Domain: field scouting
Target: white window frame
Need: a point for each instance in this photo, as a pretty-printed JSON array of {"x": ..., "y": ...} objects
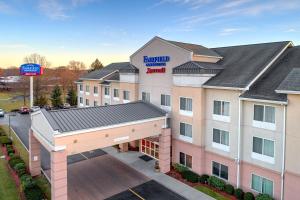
[
  {"x": 81, "y": 88},
  {"x": 97, "y": 93},
  {"x": 263, "y": 124},
  {"x": 184, "y": 137},
  {"x": 81, "y": 101},
  {"x": 187, "y": 113},
  {"x": 118, "y": 97},
  {"x": 87, "y": 91},
  {"x": 87, "y": 103},
  {"x": 107, "y": 96},
  {"x": 263, "y": 157},
  {"x": 95, "y": 101},
  {"x": 212, "y": 170},
  {"x": 168, "y": 108},
  {"x": 185, "y": 160},
  {"x": 126, "y": 100},
  {"x": 222, "y": 118},
  {"x": 263, "y": 177},
  {"x": 147, "y": 95},
  {"x": 221, "y": 146}
]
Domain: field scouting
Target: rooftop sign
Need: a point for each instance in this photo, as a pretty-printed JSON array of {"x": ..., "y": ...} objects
[
  {"x": 158, "y": 61},
  {"x": 31, "y": 69}
]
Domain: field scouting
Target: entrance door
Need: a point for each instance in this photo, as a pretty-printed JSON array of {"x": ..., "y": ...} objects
[{"x": 150, "y": 147}]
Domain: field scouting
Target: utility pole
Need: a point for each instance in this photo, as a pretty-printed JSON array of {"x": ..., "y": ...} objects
[{"x": 31, "y": 91}]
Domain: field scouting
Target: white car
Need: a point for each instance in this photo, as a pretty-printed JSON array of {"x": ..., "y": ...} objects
[
  {"x": 2, "y": 113},
  {"x": 34, "y": 108}
]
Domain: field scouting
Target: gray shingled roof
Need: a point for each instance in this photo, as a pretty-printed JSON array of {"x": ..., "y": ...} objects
[
  {"x": 124, "y": 67},
  {"x": 92, "y": 117},
  {"x": 114, "y": 77},
  {"x": 292, "y": 81},
  {"x": 243, "y": 63},
  {"x": 195, "y": 48},
  {"x": 265, "y": 87},
  {"x": 194, "y": 67}
]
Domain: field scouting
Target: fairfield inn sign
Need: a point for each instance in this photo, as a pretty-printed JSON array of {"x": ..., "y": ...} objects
[{"x": 156, "y": 64}]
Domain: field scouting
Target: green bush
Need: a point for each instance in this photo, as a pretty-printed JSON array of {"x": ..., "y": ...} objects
[
  {"x": 248, "y": 196},
  {"x": 10, "y": 151},
  {"x": 263, "y": 197},
  {"x": 239, "y": 193},
  {"x": 203, "y": 179},
  {"x": 15, "y": 160},
  {"x": 27, "y": 181},
  {"x": 19, "y": 166},
  {"x": 190, "y": 176},
  {"x": 11, "y": 155},
  {"x": 180, "y": 168},
  {"x": 216, "y": 182},
  {"x": 229, "y": 189},
  {"x": 33, "y": 193},
  {"x": 4, "y": 140}
]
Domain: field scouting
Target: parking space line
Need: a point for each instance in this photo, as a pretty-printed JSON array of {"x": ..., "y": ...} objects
[
  {"x": 136, "y": 194},
  {"x": 84, "y": 156}
]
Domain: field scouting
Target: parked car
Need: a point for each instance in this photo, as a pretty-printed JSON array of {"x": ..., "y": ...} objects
[
  {"x": 24, "y": 110},
  {"x": 2, "y": 113},
  {"x": 47, "y": 107},
  {"x": 34, "y": 108},
  {"x": 66, "y": 106}
]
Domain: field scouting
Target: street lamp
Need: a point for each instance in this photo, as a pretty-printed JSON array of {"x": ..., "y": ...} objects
[{"x": 11, "y": 114}]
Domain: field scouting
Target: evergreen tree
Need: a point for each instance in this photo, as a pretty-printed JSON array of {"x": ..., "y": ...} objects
[
  {"x": 56, "y": 97},
  {"x": 96, "y": 65},
  {"x": 41, "y": 101},
  {"x": 72, "y": 97}
]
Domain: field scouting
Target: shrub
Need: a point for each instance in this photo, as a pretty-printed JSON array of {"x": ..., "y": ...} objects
[
  {"x": 33, "y": 193},
  {"x": 248, "y": 196},
  {"x": 10, "y": 151},
  {"x": 4, "y": 140},
  {"x": 216, "y": 182},
  {"x": 229, "y": 189},
  {"x": 180, "y": 168},
  {"x": 239, "y": 193},
  {"x": 11, "y": 155},
  {"x": 190, "y": 176},
  {"x": 27, "y": 181},
  {"x": 203, "y": 179},
  {"x": 20, "y": 168},
  {"x": 15, "y": 160},
  {"x": 263, "y": 197}
]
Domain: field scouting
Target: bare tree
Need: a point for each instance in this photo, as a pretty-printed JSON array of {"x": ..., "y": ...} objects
[
  {"x": 76, "y": 65},
  {"x": 37, "y": 59}
]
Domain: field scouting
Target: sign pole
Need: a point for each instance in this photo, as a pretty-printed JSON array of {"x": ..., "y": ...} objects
[{"x": 31, "y": 91}]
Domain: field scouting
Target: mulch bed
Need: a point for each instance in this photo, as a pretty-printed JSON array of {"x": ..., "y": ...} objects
[{"x": 174, "y": 174}]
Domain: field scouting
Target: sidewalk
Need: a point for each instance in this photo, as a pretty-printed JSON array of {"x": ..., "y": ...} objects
[{"x": 132, "y": 159}]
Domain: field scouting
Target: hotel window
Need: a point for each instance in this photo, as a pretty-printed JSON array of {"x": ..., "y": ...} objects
[
  {"x": 106, "y": 91},
  {"x": 146, "y": 96},
  {"x": 221, "y": 139},
  {"x": 221, "y": 108},
  {"x": 186, "y": 131},
  {"x": 95, "y": 103},
  {"x": 95, "y": 90},
  {"x": 81, "y": 100},
  {"x": 220, "y": 170},
  {"x": 165, "y": 100},
  {"x": 263, "y": 147},
  {"x": 87, "y": 102},
  {"x": 186, "y": 106},
  {"x": 185, "y": 160},
  {"x": 151, "y": 148},
  {"x": 264, "y": 113},
  {"x": 126, "y": 95},
  {"x": 116, "y": 93},
  {"x": 80, "y": 87},
  {"x": 262, "y": 185},
  {"x": 87, "y": 88}
]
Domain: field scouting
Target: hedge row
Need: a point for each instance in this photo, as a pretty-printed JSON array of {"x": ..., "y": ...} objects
[
  {"x": 218, "y": 183},
  {"x": 29, "y": 186}
]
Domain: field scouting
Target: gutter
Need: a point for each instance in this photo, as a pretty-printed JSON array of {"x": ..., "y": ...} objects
[
  {"x": 283, "y": 154},
  {"x": 238, "y": 160}
]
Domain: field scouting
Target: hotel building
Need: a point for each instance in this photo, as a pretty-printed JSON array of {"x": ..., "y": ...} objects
[{"x": 233, "y": 111}]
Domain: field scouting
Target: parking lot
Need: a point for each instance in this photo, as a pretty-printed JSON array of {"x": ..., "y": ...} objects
[{"x": 96, "y": 175}]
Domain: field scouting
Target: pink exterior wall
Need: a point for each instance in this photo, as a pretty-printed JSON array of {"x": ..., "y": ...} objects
[
  {"x": 248, "y": 169},
  {"x": 291, "y": 186},
  {"x": 232, "y": 167},
  {"x": 195, "y": 151}
]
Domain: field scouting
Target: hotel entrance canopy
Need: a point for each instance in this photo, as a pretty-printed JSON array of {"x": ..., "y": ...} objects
[{"x": 71, "y": 131}]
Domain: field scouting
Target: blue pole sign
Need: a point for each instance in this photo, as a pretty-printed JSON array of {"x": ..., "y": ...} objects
[{"x": 31, "y": 69}]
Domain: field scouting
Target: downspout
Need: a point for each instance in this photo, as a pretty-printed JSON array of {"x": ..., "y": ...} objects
[
  {"x": 239, "y": 147},
  {"x": 283, "y": 153}
]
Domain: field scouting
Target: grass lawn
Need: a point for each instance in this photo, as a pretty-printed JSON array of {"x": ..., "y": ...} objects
[
  {"x": 41, "y": 180},
  {"x": 9, "y": 104},
  {"x": 211, "y": 193},
  {"x": 8, "y": 189}
]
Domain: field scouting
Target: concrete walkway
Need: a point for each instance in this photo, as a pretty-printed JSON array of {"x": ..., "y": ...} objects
[{"x": 147, "y": 168}]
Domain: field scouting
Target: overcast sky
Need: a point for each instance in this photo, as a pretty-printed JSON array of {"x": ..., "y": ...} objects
[{"x": 111, "y": 30}]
